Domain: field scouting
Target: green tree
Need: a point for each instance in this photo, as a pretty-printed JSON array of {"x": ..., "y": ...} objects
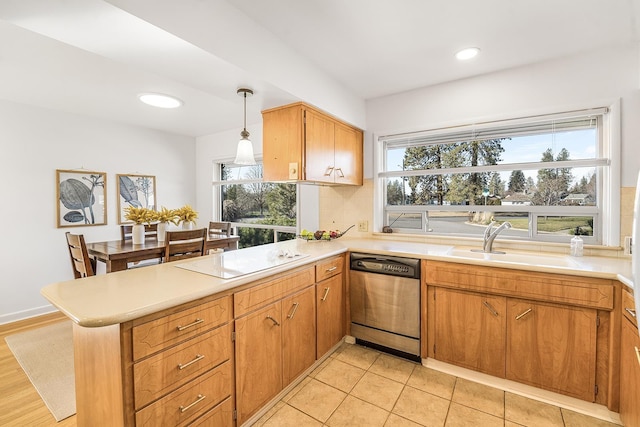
[
  {"x": 395, "y": 192},
  {"x": 553, "y": 183},
  {"x": 281, "y": 200},
  {"x": 517, "y": 182},
  {"x": 496, "y": 185}
]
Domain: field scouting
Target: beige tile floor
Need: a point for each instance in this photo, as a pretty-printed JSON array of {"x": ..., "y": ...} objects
[{"x": 358, "y": 386}]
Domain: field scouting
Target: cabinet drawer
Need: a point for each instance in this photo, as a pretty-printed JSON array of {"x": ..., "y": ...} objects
[
  {"x": 165, "y": 371},
  {"x": 329, "y": 268},
  {"x": 156, "y": 335},
  {"x": 561, "y": 288},
  {"x": 628, "y": 307},
  {"x": 271, "y": 290},
  {"x": 189, "y": 401},
  {"x": 220, "y": 416}
]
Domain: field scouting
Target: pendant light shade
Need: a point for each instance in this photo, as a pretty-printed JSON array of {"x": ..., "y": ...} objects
[{"x": 244, "y": 155}]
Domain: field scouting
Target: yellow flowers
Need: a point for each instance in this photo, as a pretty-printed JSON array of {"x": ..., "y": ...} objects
[
  {"x": 186, "y": 214},
  {"x": 147, "y": 216},
  {"x": 138, "y": 215}
]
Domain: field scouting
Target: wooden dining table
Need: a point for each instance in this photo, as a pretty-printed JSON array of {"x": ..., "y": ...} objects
[{"x": 118, "y": 254}]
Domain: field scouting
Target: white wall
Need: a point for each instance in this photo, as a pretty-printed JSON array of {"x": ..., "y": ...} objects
[
  {"x": 34, "y": 143},
  {"x": 556, "y": 85}
]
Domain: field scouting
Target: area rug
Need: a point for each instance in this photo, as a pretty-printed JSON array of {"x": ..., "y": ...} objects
[{"x": 46, "y": 356}]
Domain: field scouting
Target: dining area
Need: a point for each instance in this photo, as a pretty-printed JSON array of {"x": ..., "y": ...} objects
[{"x": 129, "y": 252}]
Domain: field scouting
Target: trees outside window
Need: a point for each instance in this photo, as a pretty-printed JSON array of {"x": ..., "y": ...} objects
[
  {"x": 542, "y": 174},
  {"x": 260, "y": 212}
]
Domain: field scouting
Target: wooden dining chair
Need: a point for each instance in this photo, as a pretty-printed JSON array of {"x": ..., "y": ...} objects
[
  {"x": 184, "y": 244},
  {"x": 82, "y": 264},
  {"x": 126, "y": 231},
  {"x": 219, "y": 229}
]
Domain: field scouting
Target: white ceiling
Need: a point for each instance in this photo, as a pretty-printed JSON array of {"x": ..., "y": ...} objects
[{"x": 92, "y": 57}]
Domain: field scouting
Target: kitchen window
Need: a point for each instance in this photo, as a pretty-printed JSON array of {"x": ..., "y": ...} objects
[
  {"x": 550, "y": 176},
  {"x": 260, "y": 212}
]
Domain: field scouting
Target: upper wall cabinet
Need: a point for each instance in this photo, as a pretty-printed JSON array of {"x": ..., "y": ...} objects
[{"x": 301, "y": 143}]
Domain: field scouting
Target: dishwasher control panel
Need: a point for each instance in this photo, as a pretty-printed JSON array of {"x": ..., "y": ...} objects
[{"x": 394, "y": 266}]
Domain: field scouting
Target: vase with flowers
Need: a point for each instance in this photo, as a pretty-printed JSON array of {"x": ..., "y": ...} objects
[
  {"x": 140, "y": 216},
  {"x": 164, "y": 217},
  {"x": 187, "y": 216}
]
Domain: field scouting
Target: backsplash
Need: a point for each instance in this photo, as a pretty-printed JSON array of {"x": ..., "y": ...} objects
[{"x": 341, "y": 207}]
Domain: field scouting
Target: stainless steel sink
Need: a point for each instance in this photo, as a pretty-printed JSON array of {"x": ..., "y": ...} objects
[{"x": 517, "y": 258}]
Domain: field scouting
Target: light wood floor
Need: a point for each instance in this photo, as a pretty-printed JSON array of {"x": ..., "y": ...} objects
[{"x": 20, "y": 403}]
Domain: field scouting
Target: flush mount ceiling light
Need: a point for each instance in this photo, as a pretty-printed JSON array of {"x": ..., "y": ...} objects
[
  {"x": 467, "y": 53},
  {"x": 160, "y": 100},
  {"x": 244, "y": 155}
]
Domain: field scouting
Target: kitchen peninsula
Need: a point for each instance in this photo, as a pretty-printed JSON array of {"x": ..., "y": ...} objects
[{"x": 121, "y": 322}]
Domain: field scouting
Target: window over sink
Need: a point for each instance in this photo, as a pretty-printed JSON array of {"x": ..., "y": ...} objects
[
  {"x": 551, "y": 176},
  {"x": 260, "y": 212}
]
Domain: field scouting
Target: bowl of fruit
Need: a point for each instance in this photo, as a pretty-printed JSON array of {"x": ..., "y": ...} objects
[{"x": 321, "y": 235}]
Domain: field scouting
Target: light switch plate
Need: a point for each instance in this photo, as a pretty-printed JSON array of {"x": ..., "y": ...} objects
[
  {"x": 363, "y": 226},
  {"x": 293, "y": 170}
]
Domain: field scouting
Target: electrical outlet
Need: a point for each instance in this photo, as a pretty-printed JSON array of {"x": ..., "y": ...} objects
[
  {"x": 363, "y": 226},
  {"x": 628, "y": 245}
]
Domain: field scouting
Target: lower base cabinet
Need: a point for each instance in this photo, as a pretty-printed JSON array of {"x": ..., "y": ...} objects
[
  {"x": 552, "y": 347},
  {"x": 330, "y": 303},
  {"x": 273, "y": 346},
  {"x": 470, "y": 330},
  {"x": 629, "y": 367}
]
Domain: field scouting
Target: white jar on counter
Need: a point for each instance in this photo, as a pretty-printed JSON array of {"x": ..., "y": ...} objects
[{"x": 577, "y": 246}]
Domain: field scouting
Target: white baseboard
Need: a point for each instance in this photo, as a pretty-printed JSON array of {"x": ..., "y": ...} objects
[
  {"x": 591, "y": 409},
  {"x": 26, "y": 314}
]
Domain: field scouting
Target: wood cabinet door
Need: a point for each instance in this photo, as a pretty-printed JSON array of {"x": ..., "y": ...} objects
[
  {"x": 552, "y": 347},
  {"x": 630, "y": 375},
  {"x": 258, "y": 359},
  {"x": 282, "y": 143},
  {"x": 470, "y": 330},
  {"x": 348, "y": 155},
  {"x": 298, "y": 334},
  {"x": 319, "y": 148},
  {"x": 331, "y": 312}
]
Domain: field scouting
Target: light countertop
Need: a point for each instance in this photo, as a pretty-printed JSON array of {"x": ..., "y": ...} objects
[{"x": 126, "y": 295}]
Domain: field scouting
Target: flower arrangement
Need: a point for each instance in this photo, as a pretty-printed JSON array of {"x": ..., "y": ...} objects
[
  {"x": 139, "y": 215},
  {"x": 186, "y": 214},
  {"x": 166, "y": 215}
]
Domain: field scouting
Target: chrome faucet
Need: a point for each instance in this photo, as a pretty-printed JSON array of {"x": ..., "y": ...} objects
[{"x": 489, "y": 236}]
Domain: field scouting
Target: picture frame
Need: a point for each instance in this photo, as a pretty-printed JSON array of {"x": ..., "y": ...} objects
[
  {"x": 80, "y": 198},
  {"x": 135, "y": 190}
]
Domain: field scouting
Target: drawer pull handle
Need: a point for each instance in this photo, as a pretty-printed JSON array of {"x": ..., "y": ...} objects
[
  {"x": 631, "y": 311},
  {"x": 521, "y": 315},
  {"x": 329, "y": 270},
  {"x": 293, "y": 311},
  {"x": 200, "y": 398},
  {"x": 491, "y": 309},
  {"x": 326, "y": 292},
  {"x": 196, "y": 322},
  {"x": 197, "y": 359},
  {"x": 340, "y": 171},
  {"x": 637, "y": 353},
  {"x": 328, "y": 171},
  {"x": 275, "y": 322}
]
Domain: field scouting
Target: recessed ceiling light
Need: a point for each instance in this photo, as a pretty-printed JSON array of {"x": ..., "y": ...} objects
[
  {"x": 160, "y": 100},
  {"x": 467, "y": 53}
]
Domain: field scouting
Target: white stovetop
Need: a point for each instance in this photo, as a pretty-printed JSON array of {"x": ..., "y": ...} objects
[{"x": 238, "y": 263}]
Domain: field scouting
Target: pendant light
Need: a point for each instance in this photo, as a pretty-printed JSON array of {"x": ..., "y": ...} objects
[{"x": 244, "y": 155}]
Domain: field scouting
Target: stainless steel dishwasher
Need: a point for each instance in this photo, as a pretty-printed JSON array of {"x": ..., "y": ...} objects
[{"x": 385, "y": 302}]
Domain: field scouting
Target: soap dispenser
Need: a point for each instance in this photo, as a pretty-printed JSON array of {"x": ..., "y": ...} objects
[{"x": 577, "y": 244}]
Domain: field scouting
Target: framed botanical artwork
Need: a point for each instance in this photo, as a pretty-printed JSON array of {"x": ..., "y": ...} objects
[
  {"x": 135, "y": 190},
  {"x": 81, "y": 198}
]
